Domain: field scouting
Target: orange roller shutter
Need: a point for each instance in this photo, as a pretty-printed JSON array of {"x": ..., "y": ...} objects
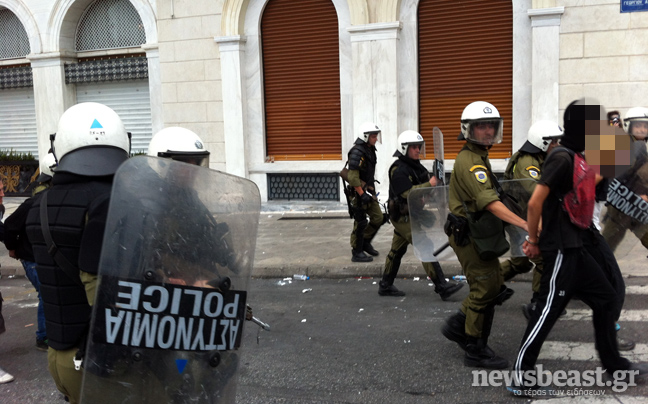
[
  {"x": 301, "y": 72},
  {"x": 465, "y": 55}
]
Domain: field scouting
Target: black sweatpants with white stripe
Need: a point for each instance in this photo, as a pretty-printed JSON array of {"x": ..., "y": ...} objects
[{"x": 573, "y": 272}]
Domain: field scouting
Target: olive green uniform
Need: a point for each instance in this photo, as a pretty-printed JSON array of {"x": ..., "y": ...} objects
[
  {"x": 371, "y": 209},
  {"x": 362, "y": 167},
  {"x": 470, "y": 184},
  {"x": 403, "y": 236},
  {"x": 523, "y": 166}
]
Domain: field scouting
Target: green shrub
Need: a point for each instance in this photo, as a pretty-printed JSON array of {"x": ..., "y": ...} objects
[{"x": 12, "y": 155}]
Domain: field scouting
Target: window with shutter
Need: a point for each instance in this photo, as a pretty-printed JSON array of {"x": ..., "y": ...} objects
[
  {"x": 465, "y": 55},
  {"x": 301, "y": 73}
]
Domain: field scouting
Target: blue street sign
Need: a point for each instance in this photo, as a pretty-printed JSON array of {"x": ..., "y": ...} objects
[{"x": 629, "y": 6}]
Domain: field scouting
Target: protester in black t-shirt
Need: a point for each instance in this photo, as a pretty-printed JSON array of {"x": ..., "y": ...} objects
[{"x": 569, "y": 269}]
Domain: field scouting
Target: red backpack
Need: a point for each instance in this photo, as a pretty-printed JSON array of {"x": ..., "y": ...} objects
[{"x": 579, "y": 202}]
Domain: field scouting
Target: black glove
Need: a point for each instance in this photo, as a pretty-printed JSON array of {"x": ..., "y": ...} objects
[
  {"x": 424, "y": 177},
  {"x": 365, "y": 198}
]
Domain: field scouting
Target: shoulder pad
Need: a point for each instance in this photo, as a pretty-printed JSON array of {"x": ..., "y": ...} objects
[{"x": 355, "y": 158}]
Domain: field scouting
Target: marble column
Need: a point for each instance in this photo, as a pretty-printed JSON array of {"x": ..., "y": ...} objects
[
  {"x": 155, "y": 86},
  {"x": 51, "y": 95},
  {"x": 545, "y": 24},
  {"x": 232, "y": 57},
  {"x": 374, "y": 50}
]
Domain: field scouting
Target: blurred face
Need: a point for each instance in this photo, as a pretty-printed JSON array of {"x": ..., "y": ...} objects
[
  {"x": 484, "y": 131},
  {"x": 373, "y": 138},
  {"x": 607, "y": 149},
  {"x": 414, "y": 151},
  {"x": 639, "y": 129}
]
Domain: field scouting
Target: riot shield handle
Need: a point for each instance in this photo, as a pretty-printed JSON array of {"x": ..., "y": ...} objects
[
  {"x": 250, "y": 317},
  {"x": 261, "y": 324}
]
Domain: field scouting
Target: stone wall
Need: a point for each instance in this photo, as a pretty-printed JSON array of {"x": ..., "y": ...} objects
[
  {"x": 603, "y": 54},
  {"x": 191, "y": 71}
]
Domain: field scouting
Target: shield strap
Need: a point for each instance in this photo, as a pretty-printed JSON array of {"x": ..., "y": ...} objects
[{"x": 70, "y": 269}]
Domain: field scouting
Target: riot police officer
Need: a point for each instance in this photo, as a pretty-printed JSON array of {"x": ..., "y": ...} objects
[
  {"x": 20, "y": 248},
  {"x": 90, "y": 144},
  {"x": 362, "y": 168},
  {"x": 526, "y": 165},
  {"x": 405, "y": 174},
  {"x": 477, "y": 235},
  {"x": 616, "y": 223},
  {"x": 179, "y": 144},
  {"x": 184, "y": 145}
]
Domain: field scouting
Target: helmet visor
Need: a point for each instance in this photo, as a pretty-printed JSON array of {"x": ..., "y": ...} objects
[
  {"x": 368, "y": 135},
  {"x": 195, "y": 158},
  {"x": 486, "y": 132},
  {"x": 638, "y": 127},
  {"x": 418, "y": 145}
]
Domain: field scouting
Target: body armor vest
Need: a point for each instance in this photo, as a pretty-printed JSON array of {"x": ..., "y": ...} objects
[
  {"x": 67, "y": 311},
  {"x": 362, "y": 157},
  {"x": 408, "y": 174}
]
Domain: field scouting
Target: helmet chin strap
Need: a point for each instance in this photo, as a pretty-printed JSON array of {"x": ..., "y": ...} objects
[{"x": 52, "y": 137}]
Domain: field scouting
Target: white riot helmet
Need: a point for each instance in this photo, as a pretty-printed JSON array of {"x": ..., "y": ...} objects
[
  {"x": 540, "y": 136},
  {"x": 367, "y": 129},
  {"x": 179, "y": 144},
  {"x": 46, "y": 165},
  {"x": 407, "y": 138},
  {"x": 90, "y": 140},
  {"x": 633, "y": 115},
  {"x": 480, "y": 113}
]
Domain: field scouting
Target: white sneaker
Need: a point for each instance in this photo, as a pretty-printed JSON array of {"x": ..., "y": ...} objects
[{"x": 5, "y": 377}]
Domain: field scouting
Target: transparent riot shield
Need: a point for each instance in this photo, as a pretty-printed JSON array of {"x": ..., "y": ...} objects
[
  {"x": 438, "y": 169},
  {"x": 171, "y": 299},
  {"x": 519, "y": 192},
  {"x": 429, "y": 210}
]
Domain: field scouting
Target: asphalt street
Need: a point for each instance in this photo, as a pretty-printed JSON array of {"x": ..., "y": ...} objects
[{"x": 337, "y": 341}]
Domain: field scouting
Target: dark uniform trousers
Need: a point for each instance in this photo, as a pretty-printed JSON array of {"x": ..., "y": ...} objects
[
  {"x": 401, "y": 239},
  {"x": 573, "y": 272},
  {"x": 360, "y": 221},
  {"x": 485, "y": 280}
]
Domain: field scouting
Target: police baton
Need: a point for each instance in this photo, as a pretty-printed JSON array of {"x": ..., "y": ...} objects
[{"x": 440, "y": 249}]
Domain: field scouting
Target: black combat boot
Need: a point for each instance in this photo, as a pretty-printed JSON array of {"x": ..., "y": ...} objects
[
  {"x": 357, "y": 255},
  {"x": 447, "y": 289},
  {"x": 479, "y": 355},
  {"x": 368, "y": 248},
  {"x": 360, "y": 256},
  {"x": 455, "y": 329},
  {"x": 387, "y": 288},
  {"x": 489, "y": 316},
  {"x": 441, "y": 286}
]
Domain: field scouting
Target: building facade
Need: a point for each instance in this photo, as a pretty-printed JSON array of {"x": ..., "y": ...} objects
[{"x": 277, "y": 88}]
